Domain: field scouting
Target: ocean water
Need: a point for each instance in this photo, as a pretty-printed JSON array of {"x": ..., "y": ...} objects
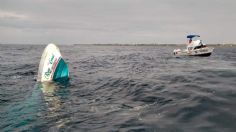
[{"x": 119, "y": 88}]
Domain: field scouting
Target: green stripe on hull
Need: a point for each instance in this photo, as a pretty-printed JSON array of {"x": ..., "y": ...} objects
[{"x": 62, "y": 71}]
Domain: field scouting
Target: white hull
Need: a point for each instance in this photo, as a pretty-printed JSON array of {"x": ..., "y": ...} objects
[
  {"x": 52, "y": 66},
  {"x": 206, "y": 51}
]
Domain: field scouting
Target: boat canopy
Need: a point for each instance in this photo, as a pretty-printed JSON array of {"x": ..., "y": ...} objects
[{"x": 192, "y": 36}]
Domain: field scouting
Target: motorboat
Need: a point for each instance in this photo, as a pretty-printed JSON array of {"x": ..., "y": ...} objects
[
  {"x": 52, "y": 66},
  {"x": 195, "y": 47}
]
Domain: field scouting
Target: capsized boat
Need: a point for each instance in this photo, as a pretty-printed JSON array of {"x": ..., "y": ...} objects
[
  {"x": 195, "y": 47},
  {"x": 52, "y": 66}
]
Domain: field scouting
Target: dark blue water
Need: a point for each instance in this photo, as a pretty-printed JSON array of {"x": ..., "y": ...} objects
[{"x": 119, "y": 88}]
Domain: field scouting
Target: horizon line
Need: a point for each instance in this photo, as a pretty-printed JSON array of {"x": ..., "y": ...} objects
[{"x": 113, "y": 44}]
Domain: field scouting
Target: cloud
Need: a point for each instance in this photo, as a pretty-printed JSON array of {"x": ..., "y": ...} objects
[{"x": 12, "y": 15}]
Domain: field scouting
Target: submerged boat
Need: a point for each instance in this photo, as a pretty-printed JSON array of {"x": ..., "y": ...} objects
[
  {"x": 52, "y": 66},
  {"x": 195, "y": 47}
]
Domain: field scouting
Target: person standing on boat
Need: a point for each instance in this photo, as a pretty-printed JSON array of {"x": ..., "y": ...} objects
[{"x": 190, "y": 41}]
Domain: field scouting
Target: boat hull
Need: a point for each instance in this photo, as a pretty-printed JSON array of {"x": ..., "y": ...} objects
[
  {"x": 202, "y": 55},
  {"x": 204, "y": 52},
  {"x": 52, "y": 66}
]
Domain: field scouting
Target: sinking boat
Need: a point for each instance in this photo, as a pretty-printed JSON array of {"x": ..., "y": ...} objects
[
  {"x": 52, "y": 66},
  {"x": 195, "y": 47}
]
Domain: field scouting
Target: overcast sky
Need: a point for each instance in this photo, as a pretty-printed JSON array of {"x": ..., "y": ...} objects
[{"x": 116, "y": 21}]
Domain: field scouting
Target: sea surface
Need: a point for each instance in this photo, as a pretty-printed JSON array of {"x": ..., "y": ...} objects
[{"x": 119, "y": 88}]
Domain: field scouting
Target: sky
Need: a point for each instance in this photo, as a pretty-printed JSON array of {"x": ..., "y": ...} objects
[{"x": 116, "y": 21}]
